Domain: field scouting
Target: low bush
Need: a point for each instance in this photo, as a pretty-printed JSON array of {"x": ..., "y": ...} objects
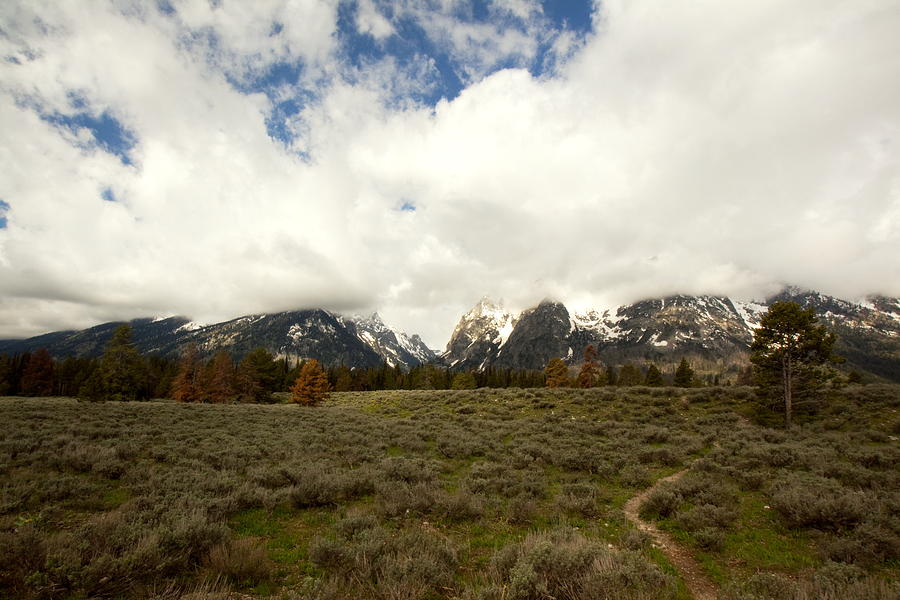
[
  {"x": 413, "y": 563},
  {"x": 563, "y": 564},
  {"x": 635, "y": 476},
  {"x": 242, "y": 561},
  {"x": 662, "y": 502},
  {"x": 805, "y": 500},
  {"x": 710, "y": 538},
  {"x": 581, "y": 498},
  {"x": 705, "y": 516}
]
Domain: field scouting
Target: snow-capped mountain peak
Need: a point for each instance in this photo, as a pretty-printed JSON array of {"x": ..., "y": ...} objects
[
  {"x": 484, "y": 328},
  {"x": 394, "y": 346}
]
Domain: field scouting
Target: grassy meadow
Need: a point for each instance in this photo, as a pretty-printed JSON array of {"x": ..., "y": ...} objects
[{"x": 485, "y": 494}]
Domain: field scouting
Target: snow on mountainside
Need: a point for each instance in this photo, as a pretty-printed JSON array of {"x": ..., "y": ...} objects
[
  {"x": 709, "y": 329},
  {"x": 481, "y": 332},
  {"x": 327, "y": 337},
  {"x": 395, "y": 347}
]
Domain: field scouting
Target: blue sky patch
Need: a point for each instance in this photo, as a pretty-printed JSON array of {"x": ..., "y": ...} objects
[
  {"x": 107, "y": 194},
  {"x": 569, "y": 14},
  {"x": 3, "y": 208},
  {"x": 408, "y": 207},
  {"x": 109, "y": 134}
]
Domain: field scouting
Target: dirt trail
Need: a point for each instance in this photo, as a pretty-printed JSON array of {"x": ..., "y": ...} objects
[{"x": 700, "y": 586}]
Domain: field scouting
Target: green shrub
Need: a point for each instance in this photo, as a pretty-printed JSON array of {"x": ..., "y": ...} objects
[
  {"x": 414, "y": 563},
  {"x": 662, "y": 502},
  {"x": 710, "y": 538},
  {"x": 581, "y": 498},
  {"x": 562, "y": 564},
  {"x": 705, "y": 516},
  {"x": 635, "y": 476},
  {"x": 811, "y": 501}
]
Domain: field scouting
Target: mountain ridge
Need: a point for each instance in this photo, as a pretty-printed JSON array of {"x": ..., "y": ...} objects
[
  {"x": 331, "y": 338},
  {"x": 714, "y": 332}
]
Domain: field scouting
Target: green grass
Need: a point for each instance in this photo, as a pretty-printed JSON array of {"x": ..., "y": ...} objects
[
  {"x": 475, "y": 473},
  {"x": 761, "y": 543}
]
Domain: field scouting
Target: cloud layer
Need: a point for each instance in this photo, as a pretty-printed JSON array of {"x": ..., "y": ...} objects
[{"x": 714, "y": 147}]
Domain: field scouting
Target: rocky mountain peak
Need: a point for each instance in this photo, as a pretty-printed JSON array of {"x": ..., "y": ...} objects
[
  {"x": 713, "y": 330},
  {"x": 479, "y": 333}
]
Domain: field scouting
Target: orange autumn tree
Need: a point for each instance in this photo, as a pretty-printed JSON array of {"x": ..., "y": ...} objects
[
  {"x": 187, "y": 385},
  {"x": 311, "y": 384}
]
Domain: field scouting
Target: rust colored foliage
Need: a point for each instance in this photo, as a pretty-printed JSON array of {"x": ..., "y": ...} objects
[
  {"x": 187, "y": 386},
  {"x": 311, "y": 385}
]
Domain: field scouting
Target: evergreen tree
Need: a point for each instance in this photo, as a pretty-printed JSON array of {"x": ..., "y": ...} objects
[
  {"x": 160, "y": 374},
  {"x": 745, "y": 376},
  {"x": 311, "y": 385},
  {"x": 789, "y": 353},
  {"x": 188, "y": 384},
  {"x": 257, "y": 376},
  {"x": 557, "y": 373},
  {"x": 464, "y": 380},
  {"x": 343, "y": 382},
  {"x": 589, "y": 374},
  {"x": 654, "y": 377},
  {"x": 612, "y": 377},
  {"x": 92, "y": 389},
  {"x": 684, "y": 374},
  {"x": 6, "y": 379},
  {"x": 630, "y": 375},
  {"x": 37, "y": 379},
  {"x": 122, "y": 368}
]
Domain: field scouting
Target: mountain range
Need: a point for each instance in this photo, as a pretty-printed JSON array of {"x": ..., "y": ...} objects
[
  {"x": 328, "y": 337},
  {"x": 714, "y": 333}
]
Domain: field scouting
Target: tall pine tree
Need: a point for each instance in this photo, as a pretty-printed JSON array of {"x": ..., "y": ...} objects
[
  {"x": 122, "y": 369},
  {"x": 684, "y": 374},
  {"x": 789, "y": 353}
]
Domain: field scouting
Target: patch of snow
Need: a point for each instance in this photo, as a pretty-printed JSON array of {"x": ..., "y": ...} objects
[
  {"x": 662, "y": 343},
  {"x": 750, "y": 312},
  {"x": 191, "y": 326},
  {"x": 602, "y": 323},
  {"x": 505, "y": 331}
]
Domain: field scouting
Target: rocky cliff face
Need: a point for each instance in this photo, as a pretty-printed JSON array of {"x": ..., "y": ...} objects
[
  {"x": 715, "y": 331},
  {"x": 479, "y": 335},
  {"x": 539, "y": 334},
  {"x": 395, "y": 347}
]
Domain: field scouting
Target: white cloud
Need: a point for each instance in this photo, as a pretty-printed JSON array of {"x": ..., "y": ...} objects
[
  {"x": 370, "y": 21},
  {"x": 710, "y": 147}
]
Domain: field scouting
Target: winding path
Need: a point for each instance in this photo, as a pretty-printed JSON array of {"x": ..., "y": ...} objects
[{"x": 700, "y": 586}]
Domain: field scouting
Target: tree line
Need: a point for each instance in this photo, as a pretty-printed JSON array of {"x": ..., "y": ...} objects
[
  {"x": 592, "y": 374},
  {"x": 791, "y": 362},
  {"x": 122, "y": 373}
]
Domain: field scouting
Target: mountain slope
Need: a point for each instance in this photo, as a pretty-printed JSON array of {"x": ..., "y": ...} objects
[
  {"x": 333, "y": 340},
  {"x": 479, "y": 335},
  {"x": 713, "y": 332}
]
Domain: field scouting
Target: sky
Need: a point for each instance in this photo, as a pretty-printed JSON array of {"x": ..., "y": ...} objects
[{"x": 219, "y": 158}]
